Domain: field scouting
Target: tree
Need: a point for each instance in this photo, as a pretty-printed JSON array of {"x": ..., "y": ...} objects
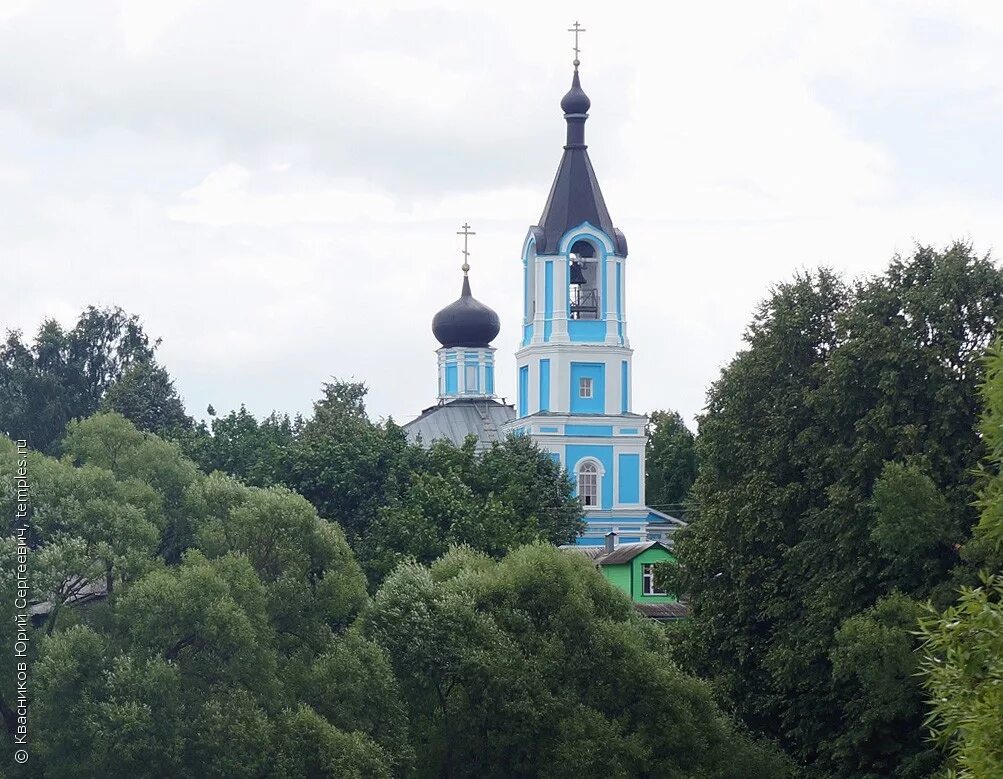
[
  {"x": 238, "y": 444},
  {"x": 111, "y": 442},
  {"x": 670, "y": 461},
  {"x": 63, "y": 375},
  {"x": 512, "y": 494},
  {"x": 145, "y": 395},
  {"x": 395, "y": 500},
  {"x": 534, "y": 665},
  {"x": 223, "y": 650},
  {"x": 963, "y": 646},
  {"x": 874, "y": 676},
  {"x": 847, "y": 401}
]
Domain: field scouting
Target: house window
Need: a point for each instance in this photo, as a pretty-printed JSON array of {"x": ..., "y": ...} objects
[
  {"x": 471, "y": 378},
  {"x": 648, "y": 580},
  {"x": 585, "y": 387},
  {"x": 588, "y": 484}
]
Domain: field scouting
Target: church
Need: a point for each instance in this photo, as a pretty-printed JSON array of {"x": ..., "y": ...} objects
[{"x": 574, "y": 363}]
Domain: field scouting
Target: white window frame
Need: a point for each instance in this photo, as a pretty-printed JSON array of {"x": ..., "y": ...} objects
[
  {"x": 648, "y": 580},
  {"x": 585, "y": 385},
  {"x": 589, "y": 468}
]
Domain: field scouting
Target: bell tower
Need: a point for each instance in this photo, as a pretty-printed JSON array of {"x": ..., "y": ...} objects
[{"x": 574, "y": 361}]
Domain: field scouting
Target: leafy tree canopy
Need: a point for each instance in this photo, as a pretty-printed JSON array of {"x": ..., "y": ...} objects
[
  {"x": 963, "y": 646},
  {"x": 534, "y": 665},
  {"x": 66, "y": 374},
  {"x": 226, "y": 605},
  {"x": 836, "y": 456},
  {"x": 670, "y": 462},
  {"x": 395, "y": 500}
]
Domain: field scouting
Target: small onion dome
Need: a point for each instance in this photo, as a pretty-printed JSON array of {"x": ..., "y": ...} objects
[
  {"x": 576, "y": 101},
  {"x": 466, "y": 322}
]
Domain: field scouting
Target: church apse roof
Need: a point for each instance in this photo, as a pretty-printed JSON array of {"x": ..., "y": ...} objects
[{"x": 455, "y": 420}]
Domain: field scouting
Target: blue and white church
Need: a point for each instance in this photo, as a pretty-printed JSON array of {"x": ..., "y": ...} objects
[{"x": 574, "y": 363}]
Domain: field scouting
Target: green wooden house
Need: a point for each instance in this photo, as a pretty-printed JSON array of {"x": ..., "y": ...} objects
[{"x": 631, "y": 568}]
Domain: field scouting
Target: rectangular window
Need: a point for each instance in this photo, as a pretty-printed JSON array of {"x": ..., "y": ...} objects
[
  {"x": 470, "y": 375},
  {"x": 585, "y": 387},
  {"x": 648, "y": 580}
]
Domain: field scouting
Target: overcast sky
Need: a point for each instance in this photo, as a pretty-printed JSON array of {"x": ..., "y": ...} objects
[{"x": 275, "y": 187}]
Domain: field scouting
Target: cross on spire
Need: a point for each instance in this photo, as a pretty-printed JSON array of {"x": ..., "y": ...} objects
[
  {"x": 466, "y": 233},
  {"x": 576, "y": 29}
]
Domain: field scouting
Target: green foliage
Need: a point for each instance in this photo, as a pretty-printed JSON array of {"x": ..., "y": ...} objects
[
  {"x": 835, "y": 466},
  {"x": 226, "y": 621},
  {"x": 912, "y": 521},
  {"x": 534, "y": 665},
  {"x": 874, "y": 676},
  {"x": 963, "y": 670},
  {"x": 670, "y": 462},
  {"x": 238, "y": 444},
  {"x": 63, "y": 375},
  {"x": 145, "y": 395},
  {"x": 111, "y": 442},
  {"x": 963, "y": 646},
  {"x": 396, "y": 501}
]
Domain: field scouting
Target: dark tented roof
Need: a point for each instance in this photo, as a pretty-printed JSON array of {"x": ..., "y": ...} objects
[{"x": 575, "y": 196}]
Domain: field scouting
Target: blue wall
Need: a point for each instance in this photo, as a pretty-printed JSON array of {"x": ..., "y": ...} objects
[
  {"x": 602, "y": 453},
  {"x": 630, "y": 478},
  {"x": 450, "y": 379},
  {"x": 587, "y": 330},
  {"x": 597, "y": 372},
  {"x": 489, "y": 380},
  {"x": 544, "y": 385},
  {"x": 595, "y": 431}
]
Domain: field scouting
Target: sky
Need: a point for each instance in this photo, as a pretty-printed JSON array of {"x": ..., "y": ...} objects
[{"x": 275, "y": 188}]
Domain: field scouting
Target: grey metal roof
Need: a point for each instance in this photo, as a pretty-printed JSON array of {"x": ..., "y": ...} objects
[
  {"x": 623, "y": 553},
  {"x": 663, "y": 611},
  {"x": 455, "y": 420}
]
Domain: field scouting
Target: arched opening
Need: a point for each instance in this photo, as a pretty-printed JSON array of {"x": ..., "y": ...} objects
[
  {"x": 588, "y": 484},
  {"x": 584, "y": 281}
]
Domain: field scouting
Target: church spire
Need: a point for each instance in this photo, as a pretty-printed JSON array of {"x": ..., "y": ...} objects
[
  {"x": 576, "y": 103},
  {"x": 575, "y": 196}
]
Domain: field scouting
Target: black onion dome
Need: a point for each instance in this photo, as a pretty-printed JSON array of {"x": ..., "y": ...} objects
[
  {"x": 576, "y": 101},
  {"x": 465, "y": 322}
]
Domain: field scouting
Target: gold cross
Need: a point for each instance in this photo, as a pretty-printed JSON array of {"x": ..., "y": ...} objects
[
  {"x": 576, "y": 29},
  {"x": 466, "y": 233}
]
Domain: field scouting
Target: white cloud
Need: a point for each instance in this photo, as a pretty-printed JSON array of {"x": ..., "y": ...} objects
[{"x": 276, "y": 190}]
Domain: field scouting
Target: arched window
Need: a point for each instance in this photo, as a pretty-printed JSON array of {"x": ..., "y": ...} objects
[
  {"x": 584, "y": 281},
  {"x": 588, "y": 483}
]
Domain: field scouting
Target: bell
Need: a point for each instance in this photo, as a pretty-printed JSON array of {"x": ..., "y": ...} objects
[{"x": 577, "y": 276}]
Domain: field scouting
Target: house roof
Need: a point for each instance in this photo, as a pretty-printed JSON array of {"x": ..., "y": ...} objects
[
  {"x": 624, "y": 553},
  {"x": 663, "y": 611},
  {"x": 455, "y": 420}
]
